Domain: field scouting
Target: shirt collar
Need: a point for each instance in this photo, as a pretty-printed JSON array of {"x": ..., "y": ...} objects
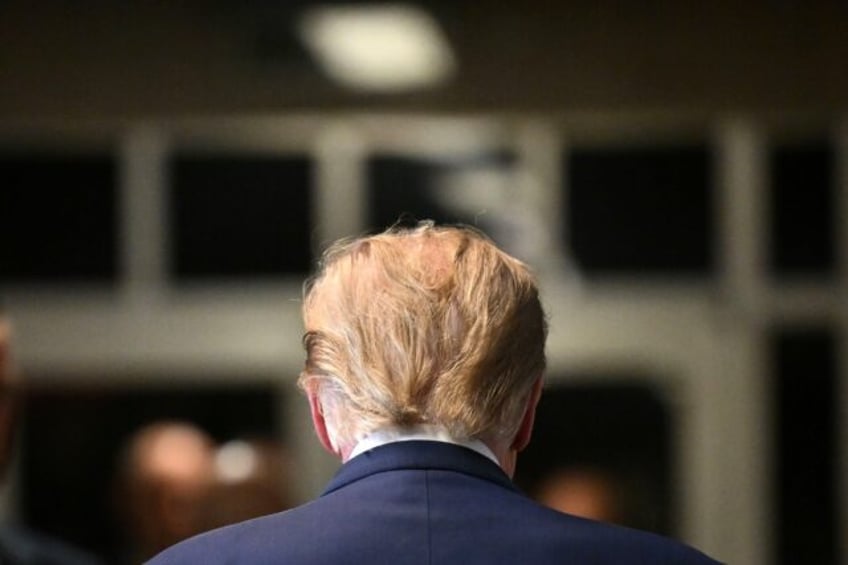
[{"x": 427, "y": 432}]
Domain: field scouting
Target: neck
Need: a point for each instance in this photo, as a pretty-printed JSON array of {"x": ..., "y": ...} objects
[{"x": 507, "y": 457}]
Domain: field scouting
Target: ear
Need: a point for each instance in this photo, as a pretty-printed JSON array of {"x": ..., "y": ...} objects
[
  {"x": 319, "y": 422},
  {"x": 522, "y": 438}
]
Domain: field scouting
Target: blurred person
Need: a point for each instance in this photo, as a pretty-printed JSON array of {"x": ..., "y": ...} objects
[
  {"x": 424, "y": 364},
  {"x": 251, "y": 480},
  {"x": 18, "y": 544},
  {"x": 582, "y": 491},
  {"x": 167, "y": 473}
]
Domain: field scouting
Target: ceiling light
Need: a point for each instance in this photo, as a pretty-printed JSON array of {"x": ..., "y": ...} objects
[{"x": 379, "y": 47}]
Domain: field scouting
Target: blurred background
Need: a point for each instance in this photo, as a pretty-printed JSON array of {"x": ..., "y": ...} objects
[{"x": 676, "y": 173}]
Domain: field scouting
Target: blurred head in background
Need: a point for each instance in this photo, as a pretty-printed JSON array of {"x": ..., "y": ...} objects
[
  {"x": 8, "y": 394},
  {"x": 167, "y": 473},
  {"x": 582, "y": 491}
]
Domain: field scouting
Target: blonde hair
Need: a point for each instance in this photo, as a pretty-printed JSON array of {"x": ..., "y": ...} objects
[{"x": 430, "y": 325}]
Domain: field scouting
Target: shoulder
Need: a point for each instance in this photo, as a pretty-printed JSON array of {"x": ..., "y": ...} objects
[
  {"x": 663, "y": 549},
  {"x": 245, "y": 542},
  {"x": 595, "y": 542}
]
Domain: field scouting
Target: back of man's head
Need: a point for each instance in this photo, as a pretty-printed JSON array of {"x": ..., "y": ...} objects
[{"x": 431, "y": 325}]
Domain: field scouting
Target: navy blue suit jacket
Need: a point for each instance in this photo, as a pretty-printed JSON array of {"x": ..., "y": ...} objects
[{"x": 427, "y": 503}]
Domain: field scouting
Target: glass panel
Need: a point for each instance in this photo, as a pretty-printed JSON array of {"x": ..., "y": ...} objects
[
  {"x": 74, "y": 440},
  {"x": 477, "y": 190},
  {"x": 802, "y": 222},
  {"x": 603, "y": 448},
  {"x": 58, "y": 219},
  {"x": 240, "y": 216},
  {"x": 805, "y": 425},
  {"x": 641, "y": 210}
]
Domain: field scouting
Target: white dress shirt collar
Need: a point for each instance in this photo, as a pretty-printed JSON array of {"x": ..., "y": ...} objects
[{"x": 426, "y": 432}]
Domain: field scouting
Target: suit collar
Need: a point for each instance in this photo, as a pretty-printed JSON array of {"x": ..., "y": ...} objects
[{"x": 421, "y": 455}]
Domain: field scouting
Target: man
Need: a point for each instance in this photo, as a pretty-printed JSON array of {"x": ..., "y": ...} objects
[
  {"x": 587, "y": 492},
  {"x": 424, "y": 364},
  {"x": 167, "y": 473},
  {"x": 19, "y": 545}
]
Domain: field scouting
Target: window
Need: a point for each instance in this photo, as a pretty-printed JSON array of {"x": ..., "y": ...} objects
[
  {"x": 472, "y": 189},
  {"x": 58, "y": 218},
  {"x": 640, "y": 210},
  {"x": 802, "y": 225},
  {"x": 237, "y": 216},
  {"x": 74, "y": 436},
  {"x": 804, "y": 384},
  {"x": 619, "y": 433}
]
